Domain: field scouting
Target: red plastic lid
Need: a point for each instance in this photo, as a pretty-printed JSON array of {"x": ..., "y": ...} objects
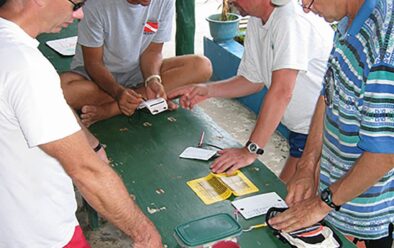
[{"x": 226, "y": 244}]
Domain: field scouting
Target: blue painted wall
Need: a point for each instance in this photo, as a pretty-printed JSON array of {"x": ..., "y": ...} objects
[{"x": 225, "y": 58}]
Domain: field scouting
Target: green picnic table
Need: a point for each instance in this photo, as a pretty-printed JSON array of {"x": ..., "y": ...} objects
[{"x": 144, "y": 150}]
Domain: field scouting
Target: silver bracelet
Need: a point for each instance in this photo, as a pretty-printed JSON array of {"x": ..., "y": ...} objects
[{"x": 150, "y": 78}]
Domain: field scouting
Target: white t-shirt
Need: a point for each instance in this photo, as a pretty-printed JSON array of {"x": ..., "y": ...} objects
[
  {"x": 291, "y": 39},
  {"x": 37, "y": 200},
  {"x": 124, "y": 30}
]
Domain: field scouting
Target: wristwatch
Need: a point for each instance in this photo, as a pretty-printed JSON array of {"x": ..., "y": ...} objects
[
  {"x": 254, "y": 148},
  {"x": 326, "y": 196}
]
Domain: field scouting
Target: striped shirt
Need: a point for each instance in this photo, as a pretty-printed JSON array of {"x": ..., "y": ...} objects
[{"x": 359, "y": 87}]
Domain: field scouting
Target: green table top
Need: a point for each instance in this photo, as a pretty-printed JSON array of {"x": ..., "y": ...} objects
[{"x": 145, "y": 152}]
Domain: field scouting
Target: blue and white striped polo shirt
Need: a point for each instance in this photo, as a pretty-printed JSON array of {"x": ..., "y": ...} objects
[{"x": 361, "y": 116}]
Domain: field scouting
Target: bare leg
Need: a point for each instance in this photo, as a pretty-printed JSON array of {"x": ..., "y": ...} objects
[
  {"x": 95, "y": 104},
  {"x": 85, "y": 95},
  {"x": 289, "y": 169},
  {"x": 183, "y": 70}
]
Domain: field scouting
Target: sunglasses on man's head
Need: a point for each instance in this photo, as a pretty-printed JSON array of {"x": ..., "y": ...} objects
[{"x": 77, "y": 6}]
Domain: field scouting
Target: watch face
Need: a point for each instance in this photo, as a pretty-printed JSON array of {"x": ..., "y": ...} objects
[
  {"x": 252, "y": 147},
  {"x": 324, "y": 195}
]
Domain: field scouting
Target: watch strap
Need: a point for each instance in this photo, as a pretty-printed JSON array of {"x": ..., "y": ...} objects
[
  {"x": 326, "y": 196},
  {"x": 259, "y": 151}
]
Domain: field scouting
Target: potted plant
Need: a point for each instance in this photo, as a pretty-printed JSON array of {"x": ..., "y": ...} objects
[{"x": 223, "y": 26}]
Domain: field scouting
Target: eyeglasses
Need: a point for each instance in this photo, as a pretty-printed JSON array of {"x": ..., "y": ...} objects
[
  {"x": 306, "y": 6},
  {"x": 77, "y": 6}
]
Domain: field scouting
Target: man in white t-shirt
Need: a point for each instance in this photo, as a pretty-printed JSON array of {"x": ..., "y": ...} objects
[
  {"x": 118, "y": 61},
  {"x": 42, "y": 148},
  {"x": 287, "y": 51}
]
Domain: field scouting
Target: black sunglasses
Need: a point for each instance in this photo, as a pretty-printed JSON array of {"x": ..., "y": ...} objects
[
  {"x": 77, "y": 6},
  {"x": 309, "y": 6}
]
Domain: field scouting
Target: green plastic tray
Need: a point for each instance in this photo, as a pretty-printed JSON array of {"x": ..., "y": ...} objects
[{"x": 207, "y": 230}]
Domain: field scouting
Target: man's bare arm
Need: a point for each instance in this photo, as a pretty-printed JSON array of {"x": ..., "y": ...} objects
[
  {"x": 275, "y": 104},
  {"x": 302, "y": 185},
  {"x": 94, "y": 65},
  {"x": 102, "y": 188},
  {"x": 367, "y": 171}
]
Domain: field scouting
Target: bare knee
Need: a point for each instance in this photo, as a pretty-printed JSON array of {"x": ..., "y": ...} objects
[
  {"x": 203, "y": 66},
  {"x": 66, "y": 78}
]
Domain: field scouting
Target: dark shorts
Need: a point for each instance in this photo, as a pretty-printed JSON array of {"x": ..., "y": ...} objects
[{"x": 297, "y": 143}]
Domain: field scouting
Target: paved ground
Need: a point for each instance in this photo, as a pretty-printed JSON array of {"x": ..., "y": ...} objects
[{"x": 229, "y": 114}]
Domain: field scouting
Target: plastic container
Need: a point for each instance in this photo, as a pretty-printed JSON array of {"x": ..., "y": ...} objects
[{"x": 216, "y": 231}]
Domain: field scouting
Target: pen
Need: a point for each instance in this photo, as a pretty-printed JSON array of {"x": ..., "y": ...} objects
[{"x": 201, "y": 139}]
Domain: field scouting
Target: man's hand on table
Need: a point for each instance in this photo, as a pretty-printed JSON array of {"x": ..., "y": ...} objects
[
  {"x": 232, "y": 159},
  {"x": 301, "y": 186},
  {"x": 301, "y": 214},
  {"x": 128, "y": 101}
]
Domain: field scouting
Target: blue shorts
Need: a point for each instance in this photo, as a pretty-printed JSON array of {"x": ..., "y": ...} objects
[{"x": 297, "y": 143}]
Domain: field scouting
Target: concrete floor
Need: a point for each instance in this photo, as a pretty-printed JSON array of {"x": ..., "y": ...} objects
[{"x": 229, "y": 114}]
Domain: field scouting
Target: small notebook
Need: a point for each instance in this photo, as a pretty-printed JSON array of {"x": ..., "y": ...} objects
[
  {"x": 257, "y": 205},
  {"x": 65, "y": 46},
  {"x": 218, "y": 187}
]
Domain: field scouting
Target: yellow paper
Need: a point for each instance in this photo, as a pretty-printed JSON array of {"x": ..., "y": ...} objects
[{"x": 218, "y": 187}]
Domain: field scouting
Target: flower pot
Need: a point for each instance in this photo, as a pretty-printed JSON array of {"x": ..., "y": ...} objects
[{"x": 223, "y": 30}]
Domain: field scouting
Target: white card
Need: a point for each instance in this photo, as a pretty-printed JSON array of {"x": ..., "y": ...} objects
[
  {"x": 65, "y": 46},
  {"x": 257, "y": 205},
  {"x": 197, "y": 153}
]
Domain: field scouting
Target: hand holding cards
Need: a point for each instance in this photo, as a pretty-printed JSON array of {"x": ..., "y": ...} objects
[{"x": 155, "y": 106}]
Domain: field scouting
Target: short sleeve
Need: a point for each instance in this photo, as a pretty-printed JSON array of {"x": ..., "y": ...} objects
[
  {"x": 39, "y": 106},
  {"x": 91, "y": 27},
  {"x": 164, "y": 32},
  {"x": 248, "y": 67},
  {"x": 291, "y": 41},
  {"x": 377, "y": 124}
]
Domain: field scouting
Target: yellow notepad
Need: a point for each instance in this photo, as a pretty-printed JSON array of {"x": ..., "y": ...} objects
[{"x": 218, "y": 187}]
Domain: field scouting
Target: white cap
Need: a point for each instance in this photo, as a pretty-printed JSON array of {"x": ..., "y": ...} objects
[{"x": 280, "y": 2}]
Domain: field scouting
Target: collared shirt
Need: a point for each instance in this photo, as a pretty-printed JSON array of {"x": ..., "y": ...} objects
[{"x": 360, "y": 117}]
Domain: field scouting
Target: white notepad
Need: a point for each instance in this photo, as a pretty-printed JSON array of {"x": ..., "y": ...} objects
[
  {"x": 257, "y": 205},
  {"x": 197, "y": 153},
  {"x": 65, "y": 46}
]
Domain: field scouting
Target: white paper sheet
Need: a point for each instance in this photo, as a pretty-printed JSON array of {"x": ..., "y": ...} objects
[
  {"x": 65, "y": 46},
  {"x": 257, "y": 205},
  {"x": 197, "y": 153}
]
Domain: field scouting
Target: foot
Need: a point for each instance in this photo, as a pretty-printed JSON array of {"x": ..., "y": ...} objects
[{"x": 92, "y": 114}]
